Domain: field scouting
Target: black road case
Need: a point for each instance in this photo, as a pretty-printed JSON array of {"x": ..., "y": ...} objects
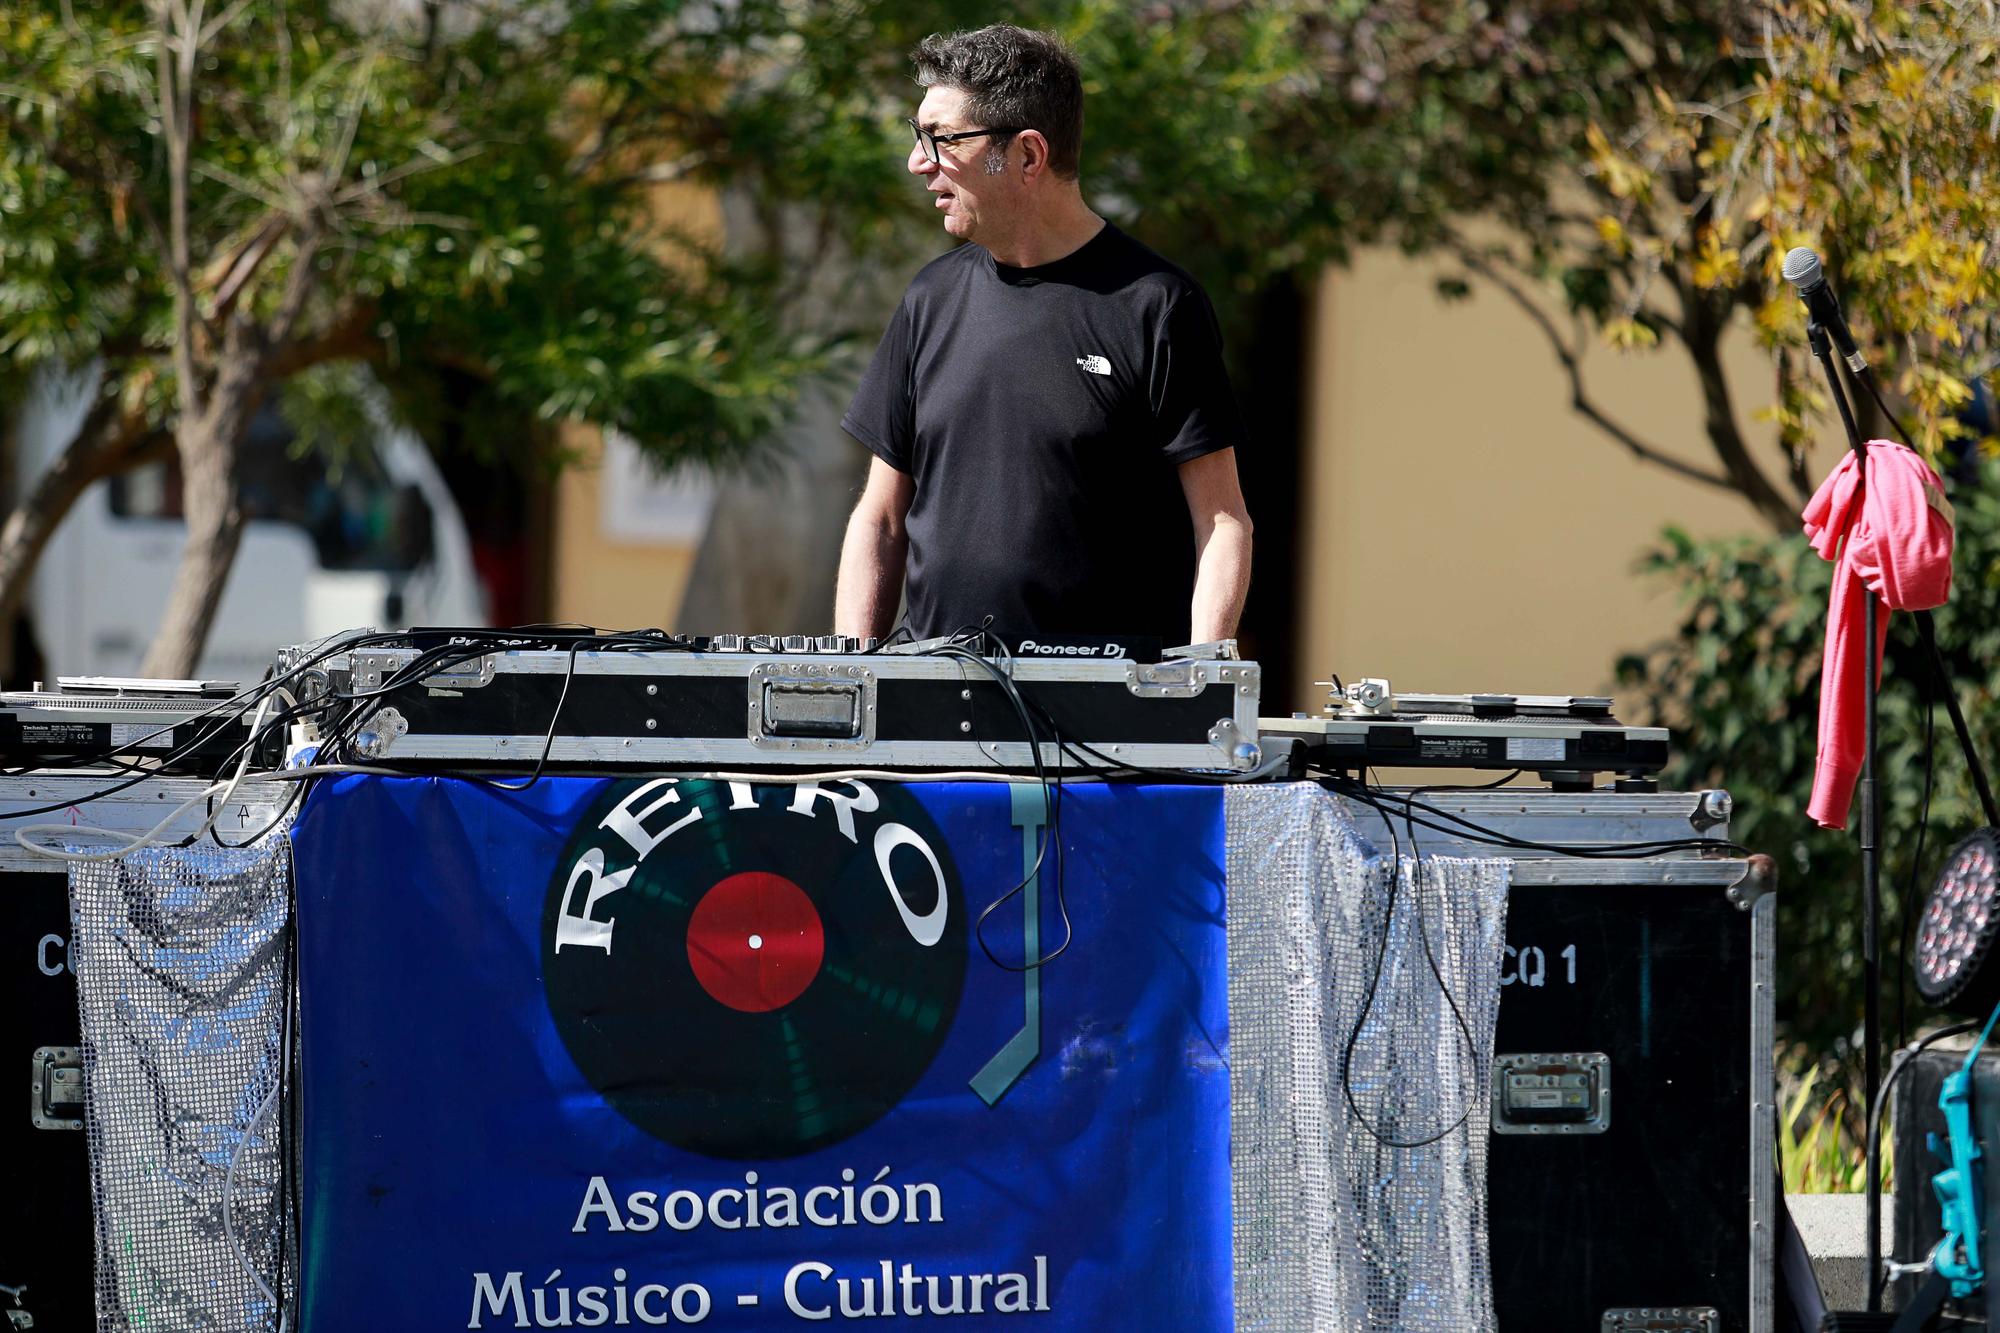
[
  {"x": 1631, "y": 1182},
  {"x": 46, "y": 1257},
  {"x": 1917, "y": 1217}
]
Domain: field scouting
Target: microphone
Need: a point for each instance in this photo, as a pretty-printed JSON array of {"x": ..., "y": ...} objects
[{"x": 1803, "y": 271}]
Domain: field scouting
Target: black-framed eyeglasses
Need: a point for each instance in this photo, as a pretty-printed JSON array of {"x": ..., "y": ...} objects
[{"x": 930, "y": 142}]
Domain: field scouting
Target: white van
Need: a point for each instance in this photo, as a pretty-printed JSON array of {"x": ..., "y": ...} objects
[{"x": 369, "y": 540}]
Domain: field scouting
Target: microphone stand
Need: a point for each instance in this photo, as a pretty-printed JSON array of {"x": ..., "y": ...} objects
[
  {"x": 1820, "y": 339},
  {"x": 1871, "y": 882}
]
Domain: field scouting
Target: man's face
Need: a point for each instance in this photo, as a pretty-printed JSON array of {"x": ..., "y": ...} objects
[{"x": 972, "y": 198}]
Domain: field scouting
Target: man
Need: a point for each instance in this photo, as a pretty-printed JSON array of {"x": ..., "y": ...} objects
[{"x": 1053, "y": 431}]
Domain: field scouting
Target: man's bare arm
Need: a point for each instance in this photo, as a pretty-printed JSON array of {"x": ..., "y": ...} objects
[
  {"x": 1221, "y": 543},
  {"x": 870, "y": 583}
]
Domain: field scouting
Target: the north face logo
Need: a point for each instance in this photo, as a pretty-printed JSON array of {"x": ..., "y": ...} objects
[{"x": 1096, "y": 365}]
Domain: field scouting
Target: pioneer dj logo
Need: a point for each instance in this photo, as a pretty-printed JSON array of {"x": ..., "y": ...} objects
[
  {"x": 1036, "y": 648},
  {"x": 753, "y": 971}
]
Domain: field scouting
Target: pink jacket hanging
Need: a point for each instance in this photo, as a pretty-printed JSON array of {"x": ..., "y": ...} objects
[{"x": 1897, "y": 546}]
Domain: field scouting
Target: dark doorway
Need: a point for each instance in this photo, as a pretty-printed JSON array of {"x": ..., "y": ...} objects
[
  {"x": 1269, "y": 370},
  {"x": 498, "y": 466}
]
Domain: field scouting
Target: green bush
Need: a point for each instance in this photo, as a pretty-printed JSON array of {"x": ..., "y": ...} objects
[
  {"x": 1739, "y": 684},
  {"x": 1819, "y": 1149}
]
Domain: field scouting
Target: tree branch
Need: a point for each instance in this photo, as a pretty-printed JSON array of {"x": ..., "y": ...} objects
[
  {"x": 662, "y": 173},
  {"x": 1572, "y": 365},
  {"x": 364, "y": 75},
  {"x": 376, "y": 184},
  {"x": 232, "y": 273},
  {"x": 607, "y": 135},
  {"x": 1703, "y": 340},
  {"x": 222, "y": 21},
  {"x": 106, "y": 441},
  {"x": 299, "y": 282},
  {"x": 249, "y": 189},
  {"x": 175, "y": 114},
  {"x": 1650, "y": 314},
  {"x": 1795, "y": 458},
  {"x": 349, "y": 336}
]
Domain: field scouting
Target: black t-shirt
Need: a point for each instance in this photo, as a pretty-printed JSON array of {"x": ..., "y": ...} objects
[{"x": 1042, "y": 413}]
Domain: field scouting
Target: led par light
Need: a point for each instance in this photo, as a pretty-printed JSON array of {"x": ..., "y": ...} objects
[{"x": 1955, "y": 934}]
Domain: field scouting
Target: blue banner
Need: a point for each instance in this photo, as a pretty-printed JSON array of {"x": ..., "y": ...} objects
[{"x": 648, "y": 1052}]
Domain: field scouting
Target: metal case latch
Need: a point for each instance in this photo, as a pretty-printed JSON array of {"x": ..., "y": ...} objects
[
  {"x": 370, "y": 670},
  {"x": 58, "y": 1090},
  {"x": 1167, "y": 680},
  {"x": 1567, "y": 1093},
  {"x": 18, "y": 1317},
  {"x": 380, "y": 733},
  {"x": 473, "y": 675},
  {"x": 811, "y": 706}
]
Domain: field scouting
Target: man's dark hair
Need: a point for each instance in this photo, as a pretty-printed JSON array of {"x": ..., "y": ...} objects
[{"x": 1012, "y": 76}]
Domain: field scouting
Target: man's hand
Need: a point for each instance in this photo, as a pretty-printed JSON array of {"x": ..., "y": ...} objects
[
  {"x": 1221, "y": 544},
  {"x": 870, "y": 583}
]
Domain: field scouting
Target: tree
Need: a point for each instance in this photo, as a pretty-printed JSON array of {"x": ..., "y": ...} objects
[
  {"x": 1864, "y": 129},
  {"x": 202, "y": 203},
  {"x": 207, "y": 202}
]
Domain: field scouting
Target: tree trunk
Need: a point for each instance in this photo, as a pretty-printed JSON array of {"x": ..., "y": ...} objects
[
  {"x": 101, "y": 446},
  {"x": 209, "y": 443},
  {"x": 754, "y": 575},
  {"x": 1701, "y": 332}
]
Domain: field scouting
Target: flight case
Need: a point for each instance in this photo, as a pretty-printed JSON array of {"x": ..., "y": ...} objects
[
  {"x": 1631, "y": 1183},
  {"x": 45, "y": 1265},
  {"x": 777, "y": 709}
]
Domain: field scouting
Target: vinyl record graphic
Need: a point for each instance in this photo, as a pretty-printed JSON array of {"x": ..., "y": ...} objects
[{"x": 753, "y": 971}]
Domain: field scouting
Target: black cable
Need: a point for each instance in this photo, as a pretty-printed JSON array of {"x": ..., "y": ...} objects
[
  {"x": 1875, "y": 392},
  {"x": 364, "y": 704},
  {"x": 139, "y": 775},
  {"x": 900, "y": 634},
  {"x": 443, "y": 657},
  {"x": 1375, "y": 976},
  {"x": 1423, "y": 931},
  {"x": 1908, "y": 897},
  {"x": 426, "y": 663},
  {"x": 1051, "y": 828},
  {"x": 225, "y": 711},
  {"x": 313, "y": 772},
  {"x": 1002, "y": 675},
  {"x": 1386, "y": 804},
  {"x": 1902, "y": 1058},
  {"x": 1368, "y": 1000},
  {"x": 1471, "y": 831},
  {"x": 548, "y": 741},
  {"x": 275, "y": 723},
  {"x": 243, "y": 701},
  {"x": 1125, "y": 766},
  {"x": 285, "y": 809}
]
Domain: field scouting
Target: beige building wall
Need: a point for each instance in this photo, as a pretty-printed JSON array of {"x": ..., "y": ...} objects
[
  {"x": 597, "y": 577},
  {"x": 1463, "y": 529}
]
